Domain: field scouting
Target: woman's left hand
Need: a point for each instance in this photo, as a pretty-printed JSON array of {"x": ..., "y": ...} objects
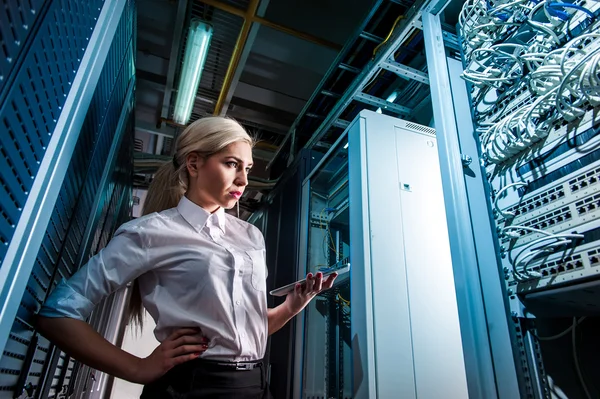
[{"x": 304, "y": 293}]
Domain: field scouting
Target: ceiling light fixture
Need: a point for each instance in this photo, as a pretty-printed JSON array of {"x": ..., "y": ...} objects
[
  {"x": 194, "y": 57},
  {"x": 391, "y": 98}
]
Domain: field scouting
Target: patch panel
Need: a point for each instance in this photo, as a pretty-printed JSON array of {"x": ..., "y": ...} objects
[
  {"x": 506, "y": 105},
  {"x": 594, "y": 257},
  {"x": 560, "y": 133},
  {"x": 563, "y": 265},
  {"x": 565, "y": 129},
  {"x": 568, "y": 189},
  {"x": 552, "y": 222},
  {"x": 512, "y": 126},
  {"x": 580, "y": 263},
  {"x": 560, "y": 220},
  {"x": 586, "y": 184},
  {"x": 547, "y": 198},
  {"x": 584, "y": 181},
  {"x": 567, "y": 142}
]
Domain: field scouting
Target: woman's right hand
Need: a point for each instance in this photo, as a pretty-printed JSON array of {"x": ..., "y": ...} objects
[{"x": 181, "y": 346}]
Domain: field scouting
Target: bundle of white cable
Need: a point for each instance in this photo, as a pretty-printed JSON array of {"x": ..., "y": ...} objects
[
  {"x": 579, "y": 86},
  {"x": 565, "y": 82},
  {"x": 517, "y": 132},
  {"x": 528, "y": 253},
  {"x": 483, "y": 23},
  {"x": 495, "y": 65}
]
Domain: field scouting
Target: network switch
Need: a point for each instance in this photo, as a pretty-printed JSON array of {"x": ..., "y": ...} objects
[
  {"x": 562, "y": 267},
  {"x": 565, "y": 219},
  {"x": 528, "y": 201}
]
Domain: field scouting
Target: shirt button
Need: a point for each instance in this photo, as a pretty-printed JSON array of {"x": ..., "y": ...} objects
[
  {"x": 237, "y": 303},
  {"x": 243, "y": 335},
  {"x": 241, "y": 272}
]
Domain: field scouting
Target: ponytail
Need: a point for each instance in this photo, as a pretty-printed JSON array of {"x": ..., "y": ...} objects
[{"x": 165, "y": 191}]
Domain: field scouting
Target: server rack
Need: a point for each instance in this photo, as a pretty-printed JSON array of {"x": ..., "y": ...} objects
[
  {"x": 391, "y": 328},
  {"x": 66, "y": 105},
  {"x": 280, "y": 225}
]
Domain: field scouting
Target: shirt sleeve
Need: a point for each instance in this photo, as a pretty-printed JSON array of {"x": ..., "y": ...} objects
[{"x": 121, "y": 261}]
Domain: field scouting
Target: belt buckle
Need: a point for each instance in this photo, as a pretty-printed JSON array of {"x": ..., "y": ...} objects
[{"x": 244, "y": 366}]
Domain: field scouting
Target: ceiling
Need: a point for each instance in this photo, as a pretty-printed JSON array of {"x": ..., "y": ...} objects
[{"x": 289, "y": 48}]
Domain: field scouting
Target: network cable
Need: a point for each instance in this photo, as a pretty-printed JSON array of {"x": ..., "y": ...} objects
[{"x": 500, "y": 192}]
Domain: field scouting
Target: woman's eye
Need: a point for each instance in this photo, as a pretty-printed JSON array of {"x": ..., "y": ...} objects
[
  {"x": 232, "y": 164},
  {"x": 248, "y": 170}
]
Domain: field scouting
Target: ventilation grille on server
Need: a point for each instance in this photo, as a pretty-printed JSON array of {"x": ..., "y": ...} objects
[
  {"x": 62, "y": 34},
  {"x": 31, "y": 104},
  {"x": 17, "y": 22},
  {"x": 420, "y": 128}
]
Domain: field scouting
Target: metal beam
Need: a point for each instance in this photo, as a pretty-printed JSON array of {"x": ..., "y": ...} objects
[
  {"x": 371, "y": 37},
  {"x": 241, "y": 51},
  {"x": 435, "y": 7},
  {"x": 451, "y": 40},
  {"x": 236, "y": 56},
  {"x": 405, "y": 71},
  {"x": 174, "y": 57},
  {"x": 404, "y": 29},
  {"x": 330, "y": 94},
  {"x": 243, "y": 58},
  {"x": 349, "y": 68},
  {"x": 296, "y": 33},
  {"x": 244, "y": 43},
  {"x": 254, "y": 18},
  {"x": 337, "y": 63},
  {"x": 381, "y": 103},
  {"x": 339, "y": 123},
  {"x": 342, "y": 124}
]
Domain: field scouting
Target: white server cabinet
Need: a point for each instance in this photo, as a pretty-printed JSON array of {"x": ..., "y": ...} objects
[
  {"x": 405, "y": 317},
  {"x": 404, "y": 322}
]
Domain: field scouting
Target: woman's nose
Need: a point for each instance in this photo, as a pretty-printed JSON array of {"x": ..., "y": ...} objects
[{"x": 242, "y": 179}]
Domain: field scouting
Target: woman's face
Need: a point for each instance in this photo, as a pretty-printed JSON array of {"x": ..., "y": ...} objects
[{"x": 219, "y": 180}]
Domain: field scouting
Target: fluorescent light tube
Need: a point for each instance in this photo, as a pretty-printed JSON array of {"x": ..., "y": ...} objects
[{"x": 196, "y": 50}]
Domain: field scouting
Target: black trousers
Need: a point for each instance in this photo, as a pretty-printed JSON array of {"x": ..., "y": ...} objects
[{"x": 201, "y": 379}]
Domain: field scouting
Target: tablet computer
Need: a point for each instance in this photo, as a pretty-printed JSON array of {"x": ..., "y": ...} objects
[{"x": 286, "y": 289}]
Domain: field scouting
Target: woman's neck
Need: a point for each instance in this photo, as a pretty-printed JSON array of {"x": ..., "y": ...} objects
[{"x": 206, "y": 205}]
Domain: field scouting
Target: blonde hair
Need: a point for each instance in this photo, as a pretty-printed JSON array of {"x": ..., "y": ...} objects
[{"x": 206, "y": 137}]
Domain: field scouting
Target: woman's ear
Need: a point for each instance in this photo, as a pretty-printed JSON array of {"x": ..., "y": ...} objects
[{"x": 193, "y": 163}]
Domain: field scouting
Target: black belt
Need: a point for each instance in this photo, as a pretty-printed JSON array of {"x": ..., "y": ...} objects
[{"x": 251, "y": 365}]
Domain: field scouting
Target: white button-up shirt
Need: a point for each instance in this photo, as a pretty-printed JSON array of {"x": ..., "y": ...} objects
[{"x": 195, "y": 269}]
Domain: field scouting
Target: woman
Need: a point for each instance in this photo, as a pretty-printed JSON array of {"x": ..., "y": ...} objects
[{"x": 198, "y": 271}]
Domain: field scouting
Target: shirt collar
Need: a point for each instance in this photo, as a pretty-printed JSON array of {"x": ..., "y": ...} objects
[{"x": 198, "y": 216}]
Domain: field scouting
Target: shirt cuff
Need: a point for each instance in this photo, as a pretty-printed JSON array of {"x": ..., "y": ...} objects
[{"x": 66, "y": 302}]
